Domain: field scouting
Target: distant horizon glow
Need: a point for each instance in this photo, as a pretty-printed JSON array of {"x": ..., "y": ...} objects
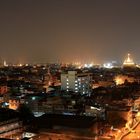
[{"x": 79, "y": 64}]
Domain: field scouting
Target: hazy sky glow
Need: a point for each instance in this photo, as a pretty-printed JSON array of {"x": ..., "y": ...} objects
[{"x": 69, "y": 30}]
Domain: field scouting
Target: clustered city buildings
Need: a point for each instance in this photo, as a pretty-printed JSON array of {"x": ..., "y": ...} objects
[{"x": 49, "y": 95}]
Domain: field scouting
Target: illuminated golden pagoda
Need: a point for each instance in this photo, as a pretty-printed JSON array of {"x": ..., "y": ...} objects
[{"x": 128, "y": 62}]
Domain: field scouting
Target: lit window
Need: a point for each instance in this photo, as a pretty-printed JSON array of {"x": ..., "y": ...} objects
[
  {"x": 76, "y": 85},
  {"x": 33, "y": 98}
]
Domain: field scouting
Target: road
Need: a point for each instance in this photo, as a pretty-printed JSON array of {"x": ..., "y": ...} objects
[{"x": 134, "y": 136}]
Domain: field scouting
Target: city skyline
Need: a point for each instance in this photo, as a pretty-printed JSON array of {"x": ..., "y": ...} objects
[
  {"x": 69, "y": 31},
  {"x": 127, "y": 59}
]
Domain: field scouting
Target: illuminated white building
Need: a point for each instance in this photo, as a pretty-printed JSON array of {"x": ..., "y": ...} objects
[
  {"x": 76, "y": 82},
  {"x": 111, "y": 64},
  {"x": 88, "y": 65},
  {"x": 128, "y": 62},
  {"x": 108, "y": 65}
]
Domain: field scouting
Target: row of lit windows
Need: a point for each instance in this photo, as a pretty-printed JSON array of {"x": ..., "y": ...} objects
[
  {"x": 8, "y": 127},
  {"x": 78, "y": 85}
]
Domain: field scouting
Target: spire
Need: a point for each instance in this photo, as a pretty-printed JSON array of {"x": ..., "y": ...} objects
[
  {"x": 128, "y": 61},
  {"x": 128, "y": 58}
]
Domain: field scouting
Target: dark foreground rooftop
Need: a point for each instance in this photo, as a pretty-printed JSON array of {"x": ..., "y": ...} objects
[
  {"x": 7, "y": 114},
  {"x": 75, "y": 121}
]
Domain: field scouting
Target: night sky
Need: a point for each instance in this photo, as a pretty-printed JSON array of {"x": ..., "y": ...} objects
[{"x": 69, "y": 30}]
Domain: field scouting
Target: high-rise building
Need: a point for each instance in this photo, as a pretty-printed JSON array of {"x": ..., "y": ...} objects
[{"x": 76, "y": 82}]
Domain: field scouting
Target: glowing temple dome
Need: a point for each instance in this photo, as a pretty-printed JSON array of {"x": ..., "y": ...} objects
[{"x": 128, "y": 61}]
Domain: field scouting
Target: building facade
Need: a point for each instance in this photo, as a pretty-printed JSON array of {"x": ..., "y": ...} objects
[
  {"x": 76, "y": 82},
  {"x": 10, "y": 127}
]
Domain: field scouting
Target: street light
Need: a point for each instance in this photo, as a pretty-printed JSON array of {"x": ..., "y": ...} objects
[{"x": 119, "y": 131}]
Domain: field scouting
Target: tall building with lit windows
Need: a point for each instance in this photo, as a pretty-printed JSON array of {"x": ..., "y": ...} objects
[{"x": 76, "y": 82}]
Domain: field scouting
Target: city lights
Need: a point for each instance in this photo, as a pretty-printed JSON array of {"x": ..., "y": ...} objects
[
  {"x": 108, "y": 65},
  {"x": 65, "y": 73}
]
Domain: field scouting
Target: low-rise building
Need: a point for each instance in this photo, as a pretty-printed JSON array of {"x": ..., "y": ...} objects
[{"x": 10, "y": 127}]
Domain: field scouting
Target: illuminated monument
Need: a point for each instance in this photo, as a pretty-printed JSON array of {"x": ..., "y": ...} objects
[{"x": 128, "y": 62}]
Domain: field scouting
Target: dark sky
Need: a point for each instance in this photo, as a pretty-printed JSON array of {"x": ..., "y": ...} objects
[{"x": 69, "y": 30}]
